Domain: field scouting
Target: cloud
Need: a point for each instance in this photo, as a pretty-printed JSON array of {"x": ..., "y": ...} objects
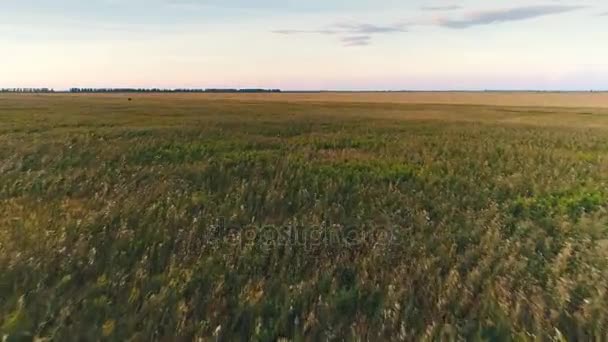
[
  {"x": 441, "y": 8},
  {"x": 352, "y": 33},
  {"x": 605, "y": 14},
  {"x": 369, "y": 28},
  {"x": 356, "y": 40},
  {"x": 358, "y": 34},
  {"x": 505, "y": 15}
]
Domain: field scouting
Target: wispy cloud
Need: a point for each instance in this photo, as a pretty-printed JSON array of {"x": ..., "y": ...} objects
[
  {"x": 352, "y": 33},
  {"x": 356, "y": 40},
  {"x": 504, "y": 15},
  {"x": 605, "y": 14},
  {"x": 369, "y": 28},
  {"x": 441, "y": 8},
  {"x": 359, "y": 34}
]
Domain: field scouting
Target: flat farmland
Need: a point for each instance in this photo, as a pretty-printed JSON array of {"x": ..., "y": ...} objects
[
  {"x": 304, "y": 216},
  {"x": 517, "y": 99}
]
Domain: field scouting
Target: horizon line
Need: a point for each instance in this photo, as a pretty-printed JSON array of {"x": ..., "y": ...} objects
[{"x": 272, "y": 90}]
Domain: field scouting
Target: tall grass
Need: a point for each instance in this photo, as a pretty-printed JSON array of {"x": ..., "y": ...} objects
[{"x": 180, "y": 217}]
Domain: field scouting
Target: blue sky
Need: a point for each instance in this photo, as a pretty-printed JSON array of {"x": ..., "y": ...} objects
[{"x": 314, "y": 44}]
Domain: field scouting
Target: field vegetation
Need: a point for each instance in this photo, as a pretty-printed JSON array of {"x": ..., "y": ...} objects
[
  {"x": 189, "y": 216},
  {"x": 488, "y": 98}
]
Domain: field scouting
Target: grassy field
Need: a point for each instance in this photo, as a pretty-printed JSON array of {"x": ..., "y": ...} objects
[
  {"x": 519, "y": 99},
  {"x": 214, "y": 217}
]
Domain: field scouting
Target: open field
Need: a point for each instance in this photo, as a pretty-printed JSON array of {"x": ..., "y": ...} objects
[
  {"x": 509, "y": 99},
  {"x": 304, "y": 216}
]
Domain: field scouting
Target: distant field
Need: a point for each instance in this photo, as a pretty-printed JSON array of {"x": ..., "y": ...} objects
[
  {"x": 407, "y": 216},
  {"x": 525, "y": 99}
]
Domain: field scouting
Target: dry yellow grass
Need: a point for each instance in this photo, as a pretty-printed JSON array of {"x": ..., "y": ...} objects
[
  {"x": 525, "y": 99},
  {"x": 574, "y": 110},
  {"x": 501, "y": 99}
]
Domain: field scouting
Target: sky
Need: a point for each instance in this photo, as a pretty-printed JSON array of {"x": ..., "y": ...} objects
[{"x": 306, "y": 45}]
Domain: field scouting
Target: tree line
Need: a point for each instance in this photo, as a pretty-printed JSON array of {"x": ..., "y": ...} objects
[
  {"x": 179, "y": 90},
  {"x": 26, "y": 90},
  {"x": 139, "y": 90}
]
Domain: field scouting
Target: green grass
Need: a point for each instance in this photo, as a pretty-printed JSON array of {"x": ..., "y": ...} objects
[{"x": 150, "y": 219}]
